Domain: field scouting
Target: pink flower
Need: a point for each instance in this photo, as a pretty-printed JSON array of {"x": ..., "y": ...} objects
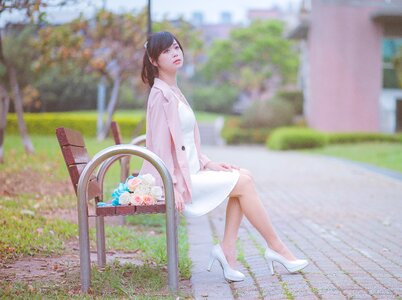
[
  {"x": 148, "y": 200},
  {"x": 133, "y": 183},
  {"x": 136, "y": 199}
]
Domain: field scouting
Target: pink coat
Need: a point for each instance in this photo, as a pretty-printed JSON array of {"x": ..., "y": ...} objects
[{"x": 164, "y": 138}]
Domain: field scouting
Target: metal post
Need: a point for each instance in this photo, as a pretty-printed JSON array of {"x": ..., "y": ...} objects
[
  {"x": 101, "y": 104},
  {"x": 100, "y": 241},
  {"x": 149, "y": 18},
  {"x": 171, "y": 215}
]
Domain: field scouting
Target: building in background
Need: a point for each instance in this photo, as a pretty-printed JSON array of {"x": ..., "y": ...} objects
[{"x": 346, "y": 73}]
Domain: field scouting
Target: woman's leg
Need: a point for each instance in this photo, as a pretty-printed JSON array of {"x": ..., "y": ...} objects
[
  {"x": 256, "y": 213},
  {"x": 234, "y": 215}
]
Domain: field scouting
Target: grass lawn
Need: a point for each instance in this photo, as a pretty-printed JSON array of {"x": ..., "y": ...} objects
[
  {"x": 37, "y": 211},
  {"x": 384, "y": 155}
]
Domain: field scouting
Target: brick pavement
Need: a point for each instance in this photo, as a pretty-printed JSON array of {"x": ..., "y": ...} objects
[{"x": 345, "y": 219}]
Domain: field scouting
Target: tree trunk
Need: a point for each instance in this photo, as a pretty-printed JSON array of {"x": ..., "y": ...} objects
[
  {"x": 4, "y": 106},
  {"x": 29, "y": 149},
  {"x": 111, "y": 107},
  {"x": 12, "y": 76}
]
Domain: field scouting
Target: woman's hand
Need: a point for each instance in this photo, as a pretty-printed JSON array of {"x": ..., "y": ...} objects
[
  {"x": 179, "y": 201},
  {"x": 215, "y": 166}
]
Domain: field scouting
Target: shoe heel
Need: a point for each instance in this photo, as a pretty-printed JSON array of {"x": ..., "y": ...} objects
[
  {"x": 211, "y": 262},
  {"x": 271, "y": 266}
]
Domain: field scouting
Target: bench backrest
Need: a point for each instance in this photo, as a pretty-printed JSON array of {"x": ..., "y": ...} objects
[{"x": 76, "y": 158}]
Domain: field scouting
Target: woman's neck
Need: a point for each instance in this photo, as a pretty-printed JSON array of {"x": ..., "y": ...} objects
[{"x": 170, "y": 79}]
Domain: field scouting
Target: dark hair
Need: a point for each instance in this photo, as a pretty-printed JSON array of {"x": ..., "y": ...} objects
[{"x": 155, "y": 45}]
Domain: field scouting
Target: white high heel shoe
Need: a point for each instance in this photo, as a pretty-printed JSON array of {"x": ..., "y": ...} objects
[
  {"x": 290, "y": 265},
  {"x": 229, "y": 273}
]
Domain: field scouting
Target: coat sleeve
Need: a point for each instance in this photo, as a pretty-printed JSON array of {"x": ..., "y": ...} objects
[{"x": 161, "y": 140}]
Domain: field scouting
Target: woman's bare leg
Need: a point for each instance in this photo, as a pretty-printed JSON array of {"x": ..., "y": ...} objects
[
  {"x": 256, "y": 213},
  {"x": 234, "y": 215}
]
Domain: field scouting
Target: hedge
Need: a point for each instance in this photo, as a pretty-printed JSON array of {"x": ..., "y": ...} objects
[
  {"x": 286, "y": 138},
  {"x": 296, "y": 138},
  {"x": 357, "y": 137},
  {"x": 46, "y": 123},
  {"x": 246, "y": 136}
]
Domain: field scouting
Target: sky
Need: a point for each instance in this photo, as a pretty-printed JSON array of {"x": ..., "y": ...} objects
[{"x": 211, "y": 9}]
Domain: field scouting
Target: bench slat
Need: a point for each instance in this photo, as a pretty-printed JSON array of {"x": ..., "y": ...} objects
[
  {"x": 75, "y": 155},
  {"x": 116, "y": 133},
  {"x": 69, "y": 137},
  {"x": 130, "y": 210}
]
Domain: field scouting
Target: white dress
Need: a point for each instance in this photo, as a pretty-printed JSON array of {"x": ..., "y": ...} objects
[{"x": 208, "y": 188}]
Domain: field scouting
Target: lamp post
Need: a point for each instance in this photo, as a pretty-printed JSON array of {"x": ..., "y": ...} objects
[{"x": 149, "y": 18}]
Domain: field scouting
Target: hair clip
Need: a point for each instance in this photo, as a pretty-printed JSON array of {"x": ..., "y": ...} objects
[{"x": 146, "y": 44}]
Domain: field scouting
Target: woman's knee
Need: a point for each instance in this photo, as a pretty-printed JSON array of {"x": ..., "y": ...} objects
[
  {"x": 246, "y": 173},
  {"x": 243, "y": 185}
]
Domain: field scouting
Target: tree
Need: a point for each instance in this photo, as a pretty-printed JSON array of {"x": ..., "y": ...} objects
[
  {"x": 252, "y": 59},
  {"x": 111, "y": 45},
  {"x": 32, "y": 9}
]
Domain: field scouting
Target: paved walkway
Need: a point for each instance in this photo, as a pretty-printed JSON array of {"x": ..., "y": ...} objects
[{"x": 346, "y": 220}]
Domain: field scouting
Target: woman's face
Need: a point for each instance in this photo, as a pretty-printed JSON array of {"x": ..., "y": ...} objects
[{"x": 171, "y": 59}]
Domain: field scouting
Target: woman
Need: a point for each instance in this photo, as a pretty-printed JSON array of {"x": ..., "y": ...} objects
[{"x": 200, "y": 184}]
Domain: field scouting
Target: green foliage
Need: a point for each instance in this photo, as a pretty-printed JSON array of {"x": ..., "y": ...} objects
[
  {"x": 250, "y": 57},
  {"x": 73, "y": 90},
  {"x": 267, "y": 114},
  {"x": 46, "y": 123},
  {"x": 286, "y": 138},
  {"x": 214, "y": 98},
  {"x": 18, "y": 51}
]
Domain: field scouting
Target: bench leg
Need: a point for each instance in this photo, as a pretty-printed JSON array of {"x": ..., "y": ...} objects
[
  {"x": 100, "y": 241},
  {"x": 172, "y": 248},
  {"x": 85, "y": 259}
]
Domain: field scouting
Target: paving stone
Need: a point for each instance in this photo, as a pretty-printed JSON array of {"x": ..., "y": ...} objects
[{"x": 343, "y": 218}]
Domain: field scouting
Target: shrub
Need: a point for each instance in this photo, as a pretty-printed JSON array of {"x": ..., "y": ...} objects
[
  {"x": 233, "y": 134},
  {"x": 246, "y": 136},
  {"x": 294, "y": 98},
  {"x": 267, "y": 114},
  {"x": 46, "y": 123},
  {"x": 295, "y": 138},
  {"x": 214, "y": 98}
]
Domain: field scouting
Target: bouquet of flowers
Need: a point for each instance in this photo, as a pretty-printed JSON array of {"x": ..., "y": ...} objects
[{"x": 140, "y": 190}]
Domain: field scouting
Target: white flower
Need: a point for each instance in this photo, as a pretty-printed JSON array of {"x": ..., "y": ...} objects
[
  {"x": 156, "y": 191},
  {"x": 124, "y": 198},
  {"x": 142, "y": 190},
  {"x": 148, "y": 179}
]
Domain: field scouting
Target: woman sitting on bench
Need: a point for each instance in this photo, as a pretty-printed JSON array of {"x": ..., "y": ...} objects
[{"x": 200, "y": 184}]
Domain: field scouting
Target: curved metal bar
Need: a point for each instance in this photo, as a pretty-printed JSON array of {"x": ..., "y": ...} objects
[
  {"x": 171, "y": 216},
  {"x": 105, "y": 166},
  {"x": 138, "y": 140}
]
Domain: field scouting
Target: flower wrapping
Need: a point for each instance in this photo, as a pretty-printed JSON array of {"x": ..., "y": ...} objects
[{"x": 140, "y": 190}]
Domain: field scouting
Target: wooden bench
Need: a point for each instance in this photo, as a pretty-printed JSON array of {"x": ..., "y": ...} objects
[{"x": 89, "y": 186}]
